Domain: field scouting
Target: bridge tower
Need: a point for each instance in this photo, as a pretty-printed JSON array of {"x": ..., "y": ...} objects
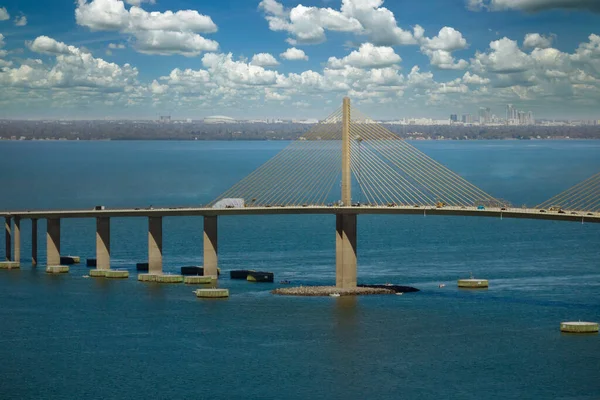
[{"x": 345, "y": 240}]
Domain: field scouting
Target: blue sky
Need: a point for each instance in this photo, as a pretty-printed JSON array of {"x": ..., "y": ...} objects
[{"x": 191, "y": 59}]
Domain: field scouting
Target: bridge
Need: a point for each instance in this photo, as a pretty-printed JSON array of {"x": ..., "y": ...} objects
[{"x": 316, "y": 175}]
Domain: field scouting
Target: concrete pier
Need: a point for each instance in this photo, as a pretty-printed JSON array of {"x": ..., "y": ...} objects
[
  {"x": 57, "y": 269},
  {"x": 345, "y": 251},
  {"x": 212, "y": 293},
  {"x": 9, "y": 265},
  {"x": 473, "y": 283},
  {"x": 210, "y": 246},
  {"x": 168, "y": 278},
  {"x": 199, "y": 280},
  {"x": 17, "y": 241},
  {"x": 53, "y": 242},
  {"x": 8, "y": 238},
  {"x": 34, "y": 241},
  {"x": 98, "y": 273},
  {"x": 579, "y": 327},
  {"x": 102, "y": 243},
  {"x": 116, "y": 273},
  {"x": 155, "y": 246}
]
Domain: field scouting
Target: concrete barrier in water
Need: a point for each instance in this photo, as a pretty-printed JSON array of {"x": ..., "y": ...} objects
[
  {"x": 117, "y": 274},
  {"x": 98, "y": 273},
  {"x": 57, "y": 269},
  {"x": 579, "y": 327},
  {"x": 473, "y": 283},
  {"x": 147, "y": 277},
  {"x": 9, "y": 265},
  {"x": 194, "y": 280},
  {"x": 169, "y": 278},
  {"x": 212, "y": 293}
]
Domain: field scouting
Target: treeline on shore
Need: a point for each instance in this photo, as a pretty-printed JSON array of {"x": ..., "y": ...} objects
[{"x": 148, "y": 130}]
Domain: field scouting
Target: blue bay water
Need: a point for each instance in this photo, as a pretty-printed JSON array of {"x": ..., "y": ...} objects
[{"x": 65, "y": 337}]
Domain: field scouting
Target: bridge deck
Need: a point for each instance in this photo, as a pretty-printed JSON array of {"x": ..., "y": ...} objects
[{"x": 526, "y": 213}]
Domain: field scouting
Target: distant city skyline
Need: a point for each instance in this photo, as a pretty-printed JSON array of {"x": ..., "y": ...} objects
[{"x": 257, "y": 59}]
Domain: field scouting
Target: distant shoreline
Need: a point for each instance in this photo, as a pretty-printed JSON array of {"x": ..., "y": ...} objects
[{"x": 557, "y": 139}]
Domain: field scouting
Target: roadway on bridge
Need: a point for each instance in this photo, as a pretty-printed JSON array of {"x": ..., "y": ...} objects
[{"x": 522, "y": 213}]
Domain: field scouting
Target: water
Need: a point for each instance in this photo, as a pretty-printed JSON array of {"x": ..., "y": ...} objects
[{"x": 66, "y": 337}]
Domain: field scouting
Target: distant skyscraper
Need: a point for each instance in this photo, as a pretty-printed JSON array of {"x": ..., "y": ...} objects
[
  {"x": 530, "y": 119},
  {"x": 453, "y": 118},
  {"x": 485, "y": 115},
  {"x": 510, "y": 114}
]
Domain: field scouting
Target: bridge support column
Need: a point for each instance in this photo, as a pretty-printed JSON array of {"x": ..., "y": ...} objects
[
  {"x": 34, "y": 242},
  {"x": 17, "y": 241},
  {"x": 210, "y": 246},
  {"x": 103, "y": 243},
  {"x": 345, "y": 251},
  {"x": 53, "y": 242},
  {"x": 155, "y": 266},
  {"x": 8, "y": 238}
]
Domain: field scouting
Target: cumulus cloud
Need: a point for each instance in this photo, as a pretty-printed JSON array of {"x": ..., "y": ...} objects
[
  {"x": 448, "y": 39},
  {"x": 162, "y": 33},
  {"x": 474, "y": 79},
  {"x": 270, "y": 94},
  {"x": 73, "y": 68},
  {"x": 116, "y": 46},
  {"x": 307, "y": 25},
  {"x": 264, "y": 60},
  {"x": 4, "y": 15},
  {"x": 367, "y": 56},
  {"x": 294, "y": 54},
  {"x": 505, "y": 57},
  {"x": 21, "y": 21},
  {"x": 533, "y": 5},
  {"x": 224, "y": 69},
  {"x": 535, "y": 40},
  {"x": 47, "y": 45},
  {"x": 440, "y": 47}
]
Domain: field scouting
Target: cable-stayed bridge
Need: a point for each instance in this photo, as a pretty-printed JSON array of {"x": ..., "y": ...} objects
[{"x": 346, "y": 165}]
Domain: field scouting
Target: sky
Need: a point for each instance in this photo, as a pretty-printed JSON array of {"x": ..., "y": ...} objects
[{"x": 133, "y": 59}]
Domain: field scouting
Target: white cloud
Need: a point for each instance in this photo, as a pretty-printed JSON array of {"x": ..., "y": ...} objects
[
  {"x": 367, "y": 56},
  {"x": 21, "y": 21},
  {"x": 73, "y": 68},
  {"x": 157, "y": 88},
  {"x": 535, "y": 40},
  {"x": 444, "y": 60},
  {"x": 1, "y": 40},
  {"x": 294, "y": 54},
  {"x": 116, "y": 46},
  {"x": 273, "y": 95},
  {"x": 308, "y": 25},
  {"x": 475, "y": 5},
  {"x": 379, "y": 23},
  {"x": 533, "y": 5},
  {"x": 505, "y": 57},
  {"x": 448, "y": 39},
  {"x": 264, "y": 60},
  {"x": 420, "y": 79},
  {"x": 225, "y": 71},
  {"x": 47, "y": 45},
  {"x": 474, "y": 79},
  {"x": 169, "y": 42},
  {"x": 439, "y": 48},
  {"x": 4, "y": 15},
  {"x": 162, "y": 33}
]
